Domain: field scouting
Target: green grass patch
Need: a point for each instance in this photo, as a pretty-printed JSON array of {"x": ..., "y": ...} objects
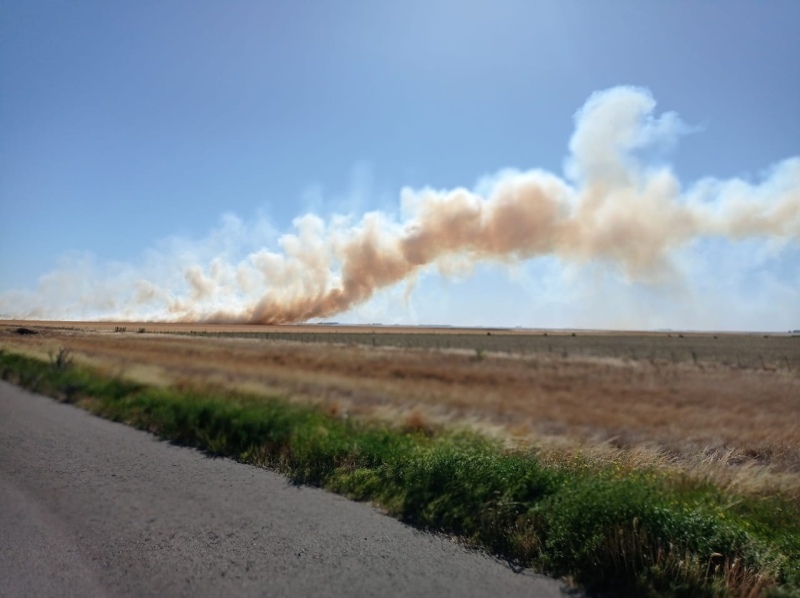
[{"x": 641, "y": 533}]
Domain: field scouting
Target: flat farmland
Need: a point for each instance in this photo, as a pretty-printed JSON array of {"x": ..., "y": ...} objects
[
  {"x": 751, "y": 350},
  {"x": 723, "y": 406}
]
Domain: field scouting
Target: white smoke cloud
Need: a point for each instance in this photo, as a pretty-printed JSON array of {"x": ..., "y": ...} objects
[{"x": 618, "y": 222}]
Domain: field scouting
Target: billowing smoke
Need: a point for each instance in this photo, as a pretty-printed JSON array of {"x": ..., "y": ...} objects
[{"x": 613, "y": 206}]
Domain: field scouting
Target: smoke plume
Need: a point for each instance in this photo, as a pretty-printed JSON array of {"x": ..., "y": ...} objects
[{"x": 611, "y": 206}]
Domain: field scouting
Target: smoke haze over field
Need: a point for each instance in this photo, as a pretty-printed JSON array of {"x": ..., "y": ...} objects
[{"x": 618, "y": 205}]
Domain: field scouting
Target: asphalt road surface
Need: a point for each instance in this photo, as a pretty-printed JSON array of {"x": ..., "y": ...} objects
[{"x": 93, "y": 508}]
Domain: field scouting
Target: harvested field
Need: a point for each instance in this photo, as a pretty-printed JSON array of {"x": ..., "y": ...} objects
[{"x": 725, "y": 406}]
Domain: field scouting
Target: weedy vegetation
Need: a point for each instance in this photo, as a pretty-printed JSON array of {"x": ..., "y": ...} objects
[
  {"x": 636, "y": 531},
  {"x": 60, "y": 359}
]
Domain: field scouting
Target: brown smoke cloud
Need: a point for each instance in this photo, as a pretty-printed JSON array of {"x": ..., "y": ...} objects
[
  {"x": 612, "y": 206},
  {"x": 616, "y": 210}
]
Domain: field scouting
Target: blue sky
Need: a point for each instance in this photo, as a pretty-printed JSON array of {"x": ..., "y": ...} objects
[{"x": 129, "y": 131}]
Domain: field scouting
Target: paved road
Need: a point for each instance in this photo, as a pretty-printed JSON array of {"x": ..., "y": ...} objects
[{"x": 93, "y": 508}]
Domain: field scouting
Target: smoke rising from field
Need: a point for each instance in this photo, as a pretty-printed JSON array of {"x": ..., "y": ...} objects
[{"x": 613, "y": 205}]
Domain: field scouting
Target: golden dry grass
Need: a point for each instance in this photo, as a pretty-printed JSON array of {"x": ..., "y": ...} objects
[{"x": 737, "y": 425}]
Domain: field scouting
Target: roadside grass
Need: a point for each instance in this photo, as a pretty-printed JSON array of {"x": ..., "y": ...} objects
[{"x": 635, "y": 532}]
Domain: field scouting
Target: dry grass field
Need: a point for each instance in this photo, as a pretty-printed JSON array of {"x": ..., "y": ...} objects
[{"x": 722, "y": 406}]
